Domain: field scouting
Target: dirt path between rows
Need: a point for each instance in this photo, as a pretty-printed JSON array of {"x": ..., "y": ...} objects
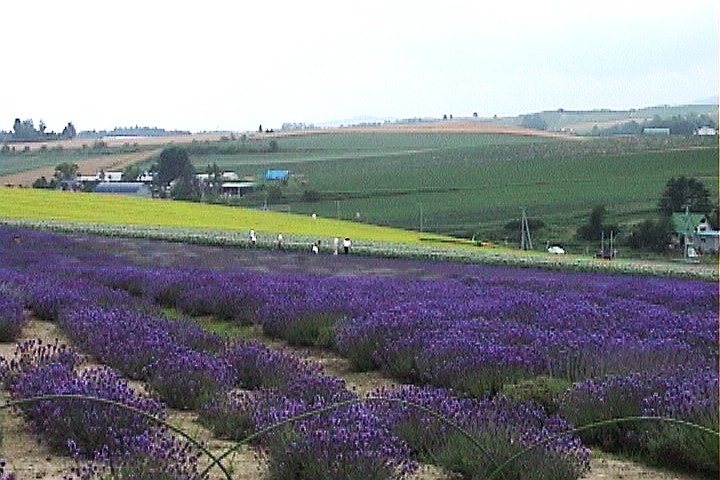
[
  {"x": 91, "y": 166},
  {"x": 602, "y": 466},
  {"x": 31, "y": 459}
]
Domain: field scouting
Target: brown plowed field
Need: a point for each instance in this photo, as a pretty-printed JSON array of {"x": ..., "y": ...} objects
[
  {"x": 449, "y": 126},
  {"x": 88, "y": 167},
  {"x": 77, "y": 143}
]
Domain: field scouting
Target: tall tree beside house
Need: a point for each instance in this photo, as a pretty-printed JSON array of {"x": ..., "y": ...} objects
[
  {"x": 684, "y": 193},
  {"x": 174, "y": 164},
  {"x": 66, "y": 171},
  {"x": 213, "y": 186},
  {"x": 714, "y": 217},
  {"x": 130, "y": 173}
]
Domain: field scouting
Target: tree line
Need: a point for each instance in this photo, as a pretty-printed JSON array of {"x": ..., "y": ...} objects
[
  {"x": 680, "y": 195},
  {"x": 25, "y": 131},
  {"x": 678, "y": 125}
]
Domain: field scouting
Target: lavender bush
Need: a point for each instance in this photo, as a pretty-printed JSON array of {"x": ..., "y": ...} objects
[
  {"x": 12, "y": 317},
  {"x": 501, "y": 427},
  {"x": 683, "y": 393},
  {"x": 476, "y": 330},
  {"x": 255, "y": 365},
  {"x": 158, "y": 457}
]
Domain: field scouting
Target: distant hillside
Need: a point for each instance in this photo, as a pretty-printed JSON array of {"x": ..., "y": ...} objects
[{"x": 583, "y": 122}]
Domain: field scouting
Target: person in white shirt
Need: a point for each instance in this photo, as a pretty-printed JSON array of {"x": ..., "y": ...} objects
[{"x": 346, "y": 245}]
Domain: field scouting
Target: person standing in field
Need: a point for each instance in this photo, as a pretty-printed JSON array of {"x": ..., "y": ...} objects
[
  {"x": 253, "y": 238},
  {"x": 336, "y": 245},
  {"x": 346, "y": 245},
  {"x": 280, "y": 241}
]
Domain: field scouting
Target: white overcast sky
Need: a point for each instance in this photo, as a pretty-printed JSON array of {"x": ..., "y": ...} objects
[{"x": 232, "y": 65}]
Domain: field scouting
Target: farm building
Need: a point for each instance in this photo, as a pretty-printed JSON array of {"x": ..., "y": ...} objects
[
  {"x": 277, "y": 175},
  {"x": 706, "y": 131},
  {"x": 226, "y": 176},
  {"x": 656, "y": 131},
  {"x": 237, "y": 188},
  {"x": 110, "y": 176},
  {"x": 692, "y": 230},
  {"x": 124, "y": 188}
]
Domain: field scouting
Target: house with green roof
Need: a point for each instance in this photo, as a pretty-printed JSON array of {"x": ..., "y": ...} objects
[{"x": 693, "y": 232}]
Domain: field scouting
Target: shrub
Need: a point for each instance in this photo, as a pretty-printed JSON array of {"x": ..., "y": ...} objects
[
  {"x": 83, "y": 427},
  {"x": 693, "y": 399},
  {"x": 187, "y": 379},
  {"x": 501, "y": 427},
  {"x": 546, "y": 391},
  {"x": 254, "y": 366},
  {"x": 684, "y": 393},
  {"x": 158, "y": 457},
  {"x": 312, "y": 329},
  {"x": 229, "y": 416}
]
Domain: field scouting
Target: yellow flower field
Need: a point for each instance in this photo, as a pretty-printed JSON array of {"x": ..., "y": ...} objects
[{"x": 34, "y": 204}]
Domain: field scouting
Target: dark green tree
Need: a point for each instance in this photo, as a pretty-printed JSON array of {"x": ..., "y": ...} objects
[
  {"x": 594, "y": 228},
  {"x": 651, "y": 235},
  {"x": 213, "y": 185},
  {"x": 714, "y": 217},
  {"x": 684, "y": 193},
  {"x": 174, "y": 164},
  {"x": 131, "y": 173},
  {"x": 69, "y": 131},
  {"x": 66, "y": 171},
  {"x": 41, "y": 183},
  {"x": 186, "y": 188},
  {"x": 24, "y": 130}
]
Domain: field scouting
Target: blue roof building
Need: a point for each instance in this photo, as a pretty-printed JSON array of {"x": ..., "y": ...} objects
[{"x": 277, "y": 175}]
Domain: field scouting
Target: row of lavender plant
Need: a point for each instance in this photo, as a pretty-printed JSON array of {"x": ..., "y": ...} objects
[
  {"x": 12, "y": 317},
  {"x": 163, "y": 353},
  {"x": 107, "y": 327},
  {"x": 471, "y": 329},
  {"x": 102, "y": 437},
  {"x": 477, "y": 335}
]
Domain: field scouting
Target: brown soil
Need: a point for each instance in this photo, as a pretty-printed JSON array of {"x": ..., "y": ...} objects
[
  {"x": 78, "y": 143},
  {"x": 31, "y": 459},
  {"x": 446, "y": 126},
  {"x": 602, "y": 466}
]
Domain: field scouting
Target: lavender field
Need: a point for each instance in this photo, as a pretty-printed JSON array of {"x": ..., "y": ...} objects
[{"x": 489, "y": 360}]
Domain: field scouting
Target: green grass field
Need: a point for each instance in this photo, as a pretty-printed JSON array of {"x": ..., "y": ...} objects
[{"x": 473, "y": 184}]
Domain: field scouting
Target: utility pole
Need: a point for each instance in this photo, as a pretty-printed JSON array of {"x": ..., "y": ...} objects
[
  {"x": 525, "y": 240},
  {"x": 337, "y": 207},
  {"x": 421, "y": 217}
]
